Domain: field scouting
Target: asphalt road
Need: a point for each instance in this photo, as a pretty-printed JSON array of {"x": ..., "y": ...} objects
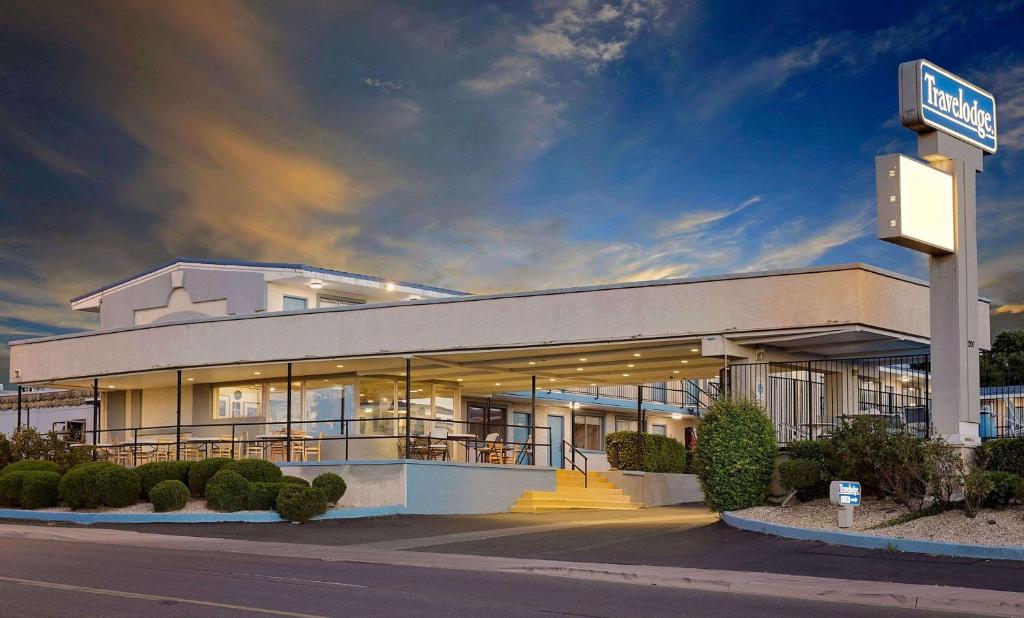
[{"x": 56, "y": 578}]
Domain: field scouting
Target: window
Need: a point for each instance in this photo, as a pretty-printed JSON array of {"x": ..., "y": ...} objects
[
  {"x": 481, "y": 425},
  {"x": 587, "y": 432},
  {"x": 278, "y": 404},
  {"x": 444, "y": 406},
  {"x": 659, "y": 430},
  {"x": 239, "y": 401},
  {"x": 337, "y": 301},
  {"x": 625, "y": 424},
  {"x": 376, "y": 409},
  {"x": 421, "y": 409},
  {"x": 294, "y": 303},
  {"x": 325, "y": 403}
]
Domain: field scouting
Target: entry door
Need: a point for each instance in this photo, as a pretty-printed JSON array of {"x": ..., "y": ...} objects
[
  {"x": 521, "y": 436},
  {"x": 557, "y": 424}
]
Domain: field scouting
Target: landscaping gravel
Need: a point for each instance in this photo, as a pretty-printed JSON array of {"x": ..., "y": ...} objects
[{"x": 1004, "y": 527}]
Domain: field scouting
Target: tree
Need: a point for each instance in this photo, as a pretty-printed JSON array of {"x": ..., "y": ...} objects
[{"x": 1004, "y": 364}]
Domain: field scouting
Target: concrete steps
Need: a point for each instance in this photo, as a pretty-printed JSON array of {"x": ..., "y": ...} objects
[{"x": 571, "y": 493}]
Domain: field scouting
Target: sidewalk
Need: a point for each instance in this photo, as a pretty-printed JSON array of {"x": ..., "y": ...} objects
[{"x": 648, "y": 529}]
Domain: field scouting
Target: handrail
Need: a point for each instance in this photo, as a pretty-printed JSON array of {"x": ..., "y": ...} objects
[{"x": 572, "y": 461}]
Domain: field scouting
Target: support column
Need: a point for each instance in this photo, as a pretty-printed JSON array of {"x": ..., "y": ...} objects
[
  {"x": 533, "y": 421},
  {"x": 641, "y": 422},
  {"x": 288, "y": 415},
  {"x": 20, "y": 389},
  {"x": 953, "y": 294},
  {"x": 408, "y": 406},
  {"x": 95, "y": 416},
  {"x": 177, "y": 421}
]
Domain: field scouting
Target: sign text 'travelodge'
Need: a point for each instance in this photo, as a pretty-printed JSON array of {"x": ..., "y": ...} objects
[{"x": 934, "y": 99}]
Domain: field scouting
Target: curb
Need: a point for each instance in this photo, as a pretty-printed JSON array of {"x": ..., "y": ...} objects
[
  {"x": 188, "y": 518},
  {"x": 868, "y": 541}
]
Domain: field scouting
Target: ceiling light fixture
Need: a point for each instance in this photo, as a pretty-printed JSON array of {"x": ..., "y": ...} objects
[
  {"x": 631, "y": 365},
  {"x": 389, "y": 286},
  {"x": 677, "y": 416},
  {"x": 579, "y": 369},
  {"x": 551, "y": 379},
  {"x": 583, "y": 360},
  {"x": 497, "y": 383},
  {"x": 191, "y": 379},
  {"x": 316, "y": 285},
  {"x": 694, "y": 350},
  {"x": 256, "y": 373},
  {"x": 684, "y": 361},
  {"x": 533, "y": 362},
  {"x": 625, "y": 375},
  {"x": 636, "y": 354},
  {"x": 339, "y": 366}
]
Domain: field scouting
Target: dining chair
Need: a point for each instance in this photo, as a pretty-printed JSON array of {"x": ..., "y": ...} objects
[
  {"x": 224, "y": 448},
  {"x": 314, "y": 448},
  {"x": 437, "y": 444},
  {"x": 298, "y": 446},
  {"x": 483, "y": 453},
  {"x": 252, "y": 449}
]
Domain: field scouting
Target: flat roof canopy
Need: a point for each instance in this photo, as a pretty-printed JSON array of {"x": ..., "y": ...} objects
[{"x": 485, "y": 340}]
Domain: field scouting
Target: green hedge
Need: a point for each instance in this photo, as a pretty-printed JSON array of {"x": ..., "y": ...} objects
[
  {"x": 332, "y": 485},
  {"x": 256, "y": 470},
  {"x": 1004, "y": 488},
  {"x": 1002, "y": 455},
  {"x": 658, "y": 453},
  {"x": 169, "y": 495},
  {"x": 736, "y": 451},
  {"x": 262, "y": 496},
  {"x": 294, "y": 480},
  {"x": 10, "y": 488},
  {"x": 805, "y": 476},
  {"x": 159, "y": 471},
  {"x": 200, "y": 473},
  {"x": 31, "y": 465},
  {"x": 29, "y": 489},
  {"x": 100, "y": 483},
  {"x": 300, "y": 504},
  {"x": 227, "y": 492}
]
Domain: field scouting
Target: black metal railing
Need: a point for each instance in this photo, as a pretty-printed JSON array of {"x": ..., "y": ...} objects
[
  {"x": 808, "y": 399},
  {"x": 1002, "y": 394},
  {"x": 284, "y": 441},
  {"x": 692, "y": 395},
  {"x": 569, "y": 457}
]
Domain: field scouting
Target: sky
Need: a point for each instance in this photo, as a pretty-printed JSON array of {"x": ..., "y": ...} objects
[{"x": 477, "y": 146}]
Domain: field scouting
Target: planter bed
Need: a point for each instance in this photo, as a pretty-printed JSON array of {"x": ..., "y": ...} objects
[{"x": 993, "y": 527}]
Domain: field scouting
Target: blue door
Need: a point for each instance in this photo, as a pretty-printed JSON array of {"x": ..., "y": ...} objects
[
  {"x": 557, "y": 424},
  {"x": 521, "y": 438}
]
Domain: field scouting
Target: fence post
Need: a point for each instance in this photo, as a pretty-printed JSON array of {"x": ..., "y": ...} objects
[
  {"x": 533, "y": 419},
  {"x": 20, "y": 389},
  {"x": 288, "y": 415},
  {"x": 408, "y": 406},
  {"x": 95, "y": 415},
  {"x": 177, "y": 422}
]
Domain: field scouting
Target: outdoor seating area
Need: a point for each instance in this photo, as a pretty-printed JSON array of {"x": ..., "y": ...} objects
[
  {"x": 440, "y": 445},
  {"x": 272, "y": 446}
]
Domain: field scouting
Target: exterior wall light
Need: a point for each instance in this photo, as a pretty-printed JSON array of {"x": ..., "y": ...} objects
[{"x": 316, "y": 285}]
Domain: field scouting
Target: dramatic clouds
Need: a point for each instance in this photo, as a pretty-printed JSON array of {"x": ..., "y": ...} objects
[{"x": 478, "y": 146}]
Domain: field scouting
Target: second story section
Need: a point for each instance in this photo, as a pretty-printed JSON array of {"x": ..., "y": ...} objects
[{"x": 189, "y": 288}]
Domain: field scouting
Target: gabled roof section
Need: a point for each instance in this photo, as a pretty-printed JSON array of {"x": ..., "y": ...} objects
[{"x": 267, "y": 266}]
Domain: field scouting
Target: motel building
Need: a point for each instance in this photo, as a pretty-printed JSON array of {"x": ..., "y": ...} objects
[{"x": 430, "y": 400}]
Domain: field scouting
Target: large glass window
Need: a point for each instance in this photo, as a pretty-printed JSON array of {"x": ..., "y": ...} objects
[
  {"x": 659, "y": 430},
  {"x": 587, "y": 432},
  {"x": 377, "y": 408},
  {"x": 292, "y": 303},
  {"x": 278, "y": 404},
  {"x": 625, "y": 424},
  {"x": 325, "y": 404},
  {"x": 481, "y": 423},
  {"x": 238, "y": 401},
  {"x": 444, "y": 406},
  {"x": 421, "y": 410}
]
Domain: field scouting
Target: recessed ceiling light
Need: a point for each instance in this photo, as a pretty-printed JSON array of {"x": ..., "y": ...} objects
[
  {"x": 579, "y": 369},
  {"x": 191, "y": 379},
  {"x": 339, "y": 366},
  {"x": 631, "y": 365},
  {"x": 677, "y": 416},
  {"x": 111, "y": 386},
  {"x": 636, "y": 354},
  {"x": 533, "y": 362},
  {"x": 256, "y": 373},
  {"x": 551, "y": 379},
  {"x": 389, "y": 286},
  {"x": 459, "y": 380},
  {"x": 583, "y": 360},
  {"x": 625, "y": 375},
  {"x": 694, "y": 349},
  {"x": 675, "y": 371},
  {"x": 684, "y": 361},
  {"x": 402, "y": 374},
  {"x": 593, "y": 384},
  {"x": 316, "y": 285},
  {"x": 497, "y": 383}
]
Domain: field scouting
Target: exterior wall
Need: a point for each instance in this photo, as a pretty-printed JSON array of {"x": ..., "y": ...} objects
[
  {"x": 43, "y": 419},
  {"x": 658, "y": 489},
  {"x": 431, "y": 488},
  {"x": 842, "y": 295}
]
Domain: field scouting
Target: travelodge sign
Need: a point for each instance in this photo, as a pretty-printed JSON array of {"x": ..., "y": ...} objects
[{"x": 934, "y": 99}]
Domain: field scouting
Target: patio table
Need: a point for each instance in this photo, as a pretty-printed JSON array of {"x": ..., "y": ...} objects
[
  {"x": 204, "y": 443},
  {"x": 464, "y": 439}
]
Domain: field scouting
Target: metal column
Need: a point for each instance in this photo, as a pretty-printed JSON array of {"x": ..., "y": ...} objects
[
  {"x": 533, "y": 420},
  {"x": 95, "y": 415},
  {"x": 177, "y": 422},
  {"x": 288, "y": 415},
  {"x": 20, "y": 389},
  {"x": 408, "y": 405}
]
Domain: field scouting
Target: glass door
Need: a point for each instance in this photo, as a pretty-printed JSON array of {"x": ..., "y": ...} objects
[
  {"x": 522, "y": 438},
  {"x": 557, "y": 424}
]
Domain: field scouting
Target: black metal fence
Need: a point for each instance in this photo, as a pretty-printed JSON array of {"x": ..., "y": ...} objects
[
  {"x": 1002, "y": 395},
  {"x": 808, "y": 399},
  {"x": 693, "y": 395}
]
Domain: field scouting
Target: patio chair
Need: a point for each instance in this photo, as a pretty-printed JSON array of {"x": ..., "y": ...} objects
[
  {"x": 483, "y": 453},
  {"x": 525, "y": 453},
  {"x": 251, "y": 449},
  {"x": 437, "y": 444},
  {"x": 313, "y": 449},
  {"x": 298, "y": 446}
]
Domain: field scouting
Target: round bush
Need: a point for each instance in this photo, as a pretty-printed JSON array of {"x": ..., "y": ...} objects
[
  {"x": 256, "y": 470},
  {"x": 736, "y": 449},
  {"x": 295, "y": 480},
  {"x": 300, "y": 504},
  {"x": 200, "y": 472},
  {"x": 227, "y": 492},
  {"x": 332, "y": 485},
  {"x": 263, "y": 496},
  {"x": 31, "y": 465},
  {"x": 803, "y": 475},
  {"x": 1002, "y": 455},
  {"x": 1004, "y": 485},
  {"x": 99, "y": 483},
  {"x": 169, "y": 495},
  {"x": 10, "y": 488},
  {"x": 159, "y": 471},
  {"x": 39, "y": 490}
]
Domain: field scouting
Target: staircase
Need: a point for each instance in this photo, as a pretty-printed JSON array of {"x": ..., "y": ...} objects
[{"x": 570, "y": 493}]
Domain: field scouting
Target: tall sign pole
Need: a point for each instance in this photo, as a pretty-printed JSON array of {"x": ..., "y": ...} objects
[{"x": 956, "y": 123}]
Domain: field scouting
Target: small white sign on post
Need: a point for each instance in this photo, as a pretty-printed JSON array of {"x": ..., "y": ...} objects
[{"x": 845, "y": 495}]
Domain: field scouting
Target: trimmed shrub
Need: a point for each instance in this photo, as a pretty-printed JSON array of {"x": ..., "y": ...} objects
[
  {"x": 256, "y": 470},
  {"x": 1004, "y": 486},
  {"x": 977, "y": 486},
  {"x": 295, "y": 480},
  {"x": 159, "y": 471},
  {"x": 169, "y": 495},
  {"x": 27, "y": 443},
  {"x": 10, "y": 488},
  {"x": 300, "y": 504},
  {"x": 736, "y": 450},
  {"x": 99, "y": 483},
  {"x": 227, "y": 492},
  {"x": 39, "y": 490},
  {"x": 855, "y": 446},
  {"x": 803, "y": 475},
  {"x": 200, "y": 473},
  {"x": 31, "y": 465},
  {"x": 332, "y": 485},
  {"x": 1002, "y": 455},
  {"x": 263, "y": 496},
  {"x": 656, "y": 454}
]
